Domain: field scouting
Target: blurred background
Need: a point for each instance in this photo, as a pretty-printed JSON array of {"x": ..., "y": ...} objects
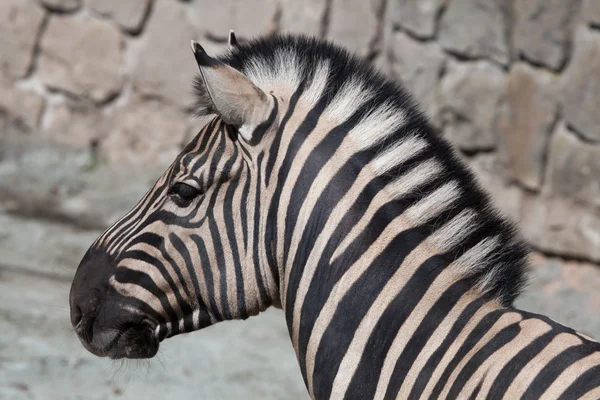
[{"x": 95, "y": 103}]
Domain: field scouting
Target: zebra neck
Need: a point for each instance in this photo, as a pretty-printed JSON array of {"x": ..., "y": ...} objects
[
  {"x": 360, "y": 319},
  {"x": 360, "y": 258}
]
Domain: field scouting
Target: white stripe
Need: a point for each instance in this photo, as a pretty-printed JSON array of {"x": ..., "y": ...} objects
[
  {"x": 398, "y": 153},
  {"x": 377, "y": 125},
  {"x": 319, "y": 83},
  {"x": 434, "y": 203}
]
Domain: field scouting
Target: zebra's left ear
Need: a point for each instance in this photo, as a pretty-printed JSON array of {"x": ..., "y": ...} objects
[{"x": 234, "y": 97}]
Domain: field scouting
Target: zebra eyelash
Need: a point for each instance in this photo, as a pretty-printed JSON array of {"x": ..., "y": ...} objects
[{"x": 183, "y": 193}]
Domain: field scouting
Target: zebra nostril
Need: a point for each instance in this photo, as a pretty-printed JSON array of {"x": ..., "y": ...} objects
[{"x": 76, "y": 316}]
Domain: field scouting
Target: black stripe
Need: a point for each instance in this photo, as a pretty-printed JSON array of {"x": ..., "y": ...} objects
[
  {"x": 183, "y": 250},
  {"x": 228, "y": 213},
  {"x": 587, "y": 381},
  {"x": 138, "y": 278},
  {"x": 244, "y": 210},
  {"x": 474, "y": 337},
  {"x": 436, "y": 357},
  {"x": 260, "y": 130},
  {"x": 335, "y": 189},
  {"x": 327, "y": 274},
  {"x": 304, "y": 130},
  {"x": 221, "y": 265},
  {"x": 510, "y": 371},
  {"x": 333, "y": 192},
  {"x": 208, "y": 275},
  {"x": 259, "y": 280},
  {"x": 502, "y": 338},
  {"x": 199, "y": 143},
  {"x": 157, "y": 241},
  {"x": 312, "y": 166},
  {"x": 359, "y": 298},
  {"x": 477, "y": 389},
  {"x": 216, "y": 158},
  {"x": 404, "y": 305},
  {"x": 394, "y": 317},
  {"x": 555, "y": 367},
  {"x": 282, "y": 125},
  {"x": 203, "y": 158},
  {"x": 127, "y": 224}
]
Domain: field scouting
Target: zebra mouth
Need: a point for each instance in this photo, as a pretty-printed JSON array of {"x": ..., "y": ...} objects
[{"x": 134, "y": 341}]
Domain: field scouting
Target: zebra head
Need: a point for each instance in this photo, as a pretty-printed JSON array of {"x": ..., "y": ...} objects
[{"x": 188, "y": 254}]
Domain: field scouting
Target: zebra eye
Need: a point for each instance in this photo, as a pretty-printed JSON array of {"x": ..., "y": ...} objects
[{"x": 183, "y": 194}]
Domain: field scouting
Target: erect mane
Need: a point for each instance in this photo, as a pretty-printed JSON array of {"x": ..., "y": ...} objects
[{"x": 293, "y": 62}]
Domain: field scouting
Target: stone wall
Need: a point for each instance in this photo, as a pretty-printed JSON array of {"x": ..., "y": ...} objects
[{"x": 515, "y": 84}]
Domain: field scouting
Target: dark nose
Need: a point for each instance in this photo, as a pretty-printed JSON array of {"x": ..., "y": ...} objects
[
  {"x": 89, "y": 286},
  {"x": 84, "y": 312}
]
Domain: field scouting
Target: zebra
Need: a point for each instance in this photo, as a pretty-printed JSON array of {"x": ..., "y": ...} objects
[{"x": 316, "y": 185}]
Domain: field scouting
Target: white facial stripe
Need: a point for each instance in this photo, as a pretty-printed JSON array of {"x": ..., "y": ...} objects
[{"x": 138, "y": 292}]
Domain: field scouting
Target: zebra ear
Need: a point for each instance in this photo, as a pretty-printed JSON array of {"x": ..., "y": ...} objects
[
  {"x": 233, "y": 42},
  {"x": 233, "y": 96}
]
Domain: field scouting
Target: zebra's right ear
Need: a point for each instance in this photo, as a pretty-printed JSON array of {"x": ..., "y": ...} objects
[
  {"x": 233, "y": 96},
  {"x": 233, "y": 42}
]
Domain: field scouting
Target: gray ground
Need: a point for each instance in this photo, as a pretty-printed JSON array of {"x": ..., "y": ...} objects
[{"x": 41, "y": 242}]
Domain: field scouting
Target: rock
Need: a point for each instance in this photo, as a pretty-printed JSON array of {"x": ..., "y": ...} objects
[
  {"x": 128, "y": 14},
  {"x": 164, "y": 65},
  {"x": 419, "y": 17},
  {"x": 59, "y": 248},
  {"x": 470, "y": 95},
  {"x": 591, "y": 11},
  {"x": 254, "y": 18},
  {"x": 247, "y": 18},
  {"x": 145, "y": 133},
  {"x": 574, "y": 168},
  {"x": 62, "y": 5},
  {"x": 382, "y": 52},
  {"x": 568, "y": 292},
  {"x": 418, "y": 66},
  {"x": 216, "y": 21},
  {"x": 542, "y": 30},
  {"x": 581, "y": 85},
  {"x": 303, "y": 17},
  {"x": 531, "y": 104},
  {"x": 353, "y": 23},
  {"x": 19, "y": 105},
  {"x": 83, "y": 56},
  {"x": 505, "y": 196},
  {"x": 476, "y": 29},
  {"x": 75, "y": 124},
  {"x": 559, "y": 226},
  {"x": 42, "y": 180},
  {"x": 20, "y": 22}
]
